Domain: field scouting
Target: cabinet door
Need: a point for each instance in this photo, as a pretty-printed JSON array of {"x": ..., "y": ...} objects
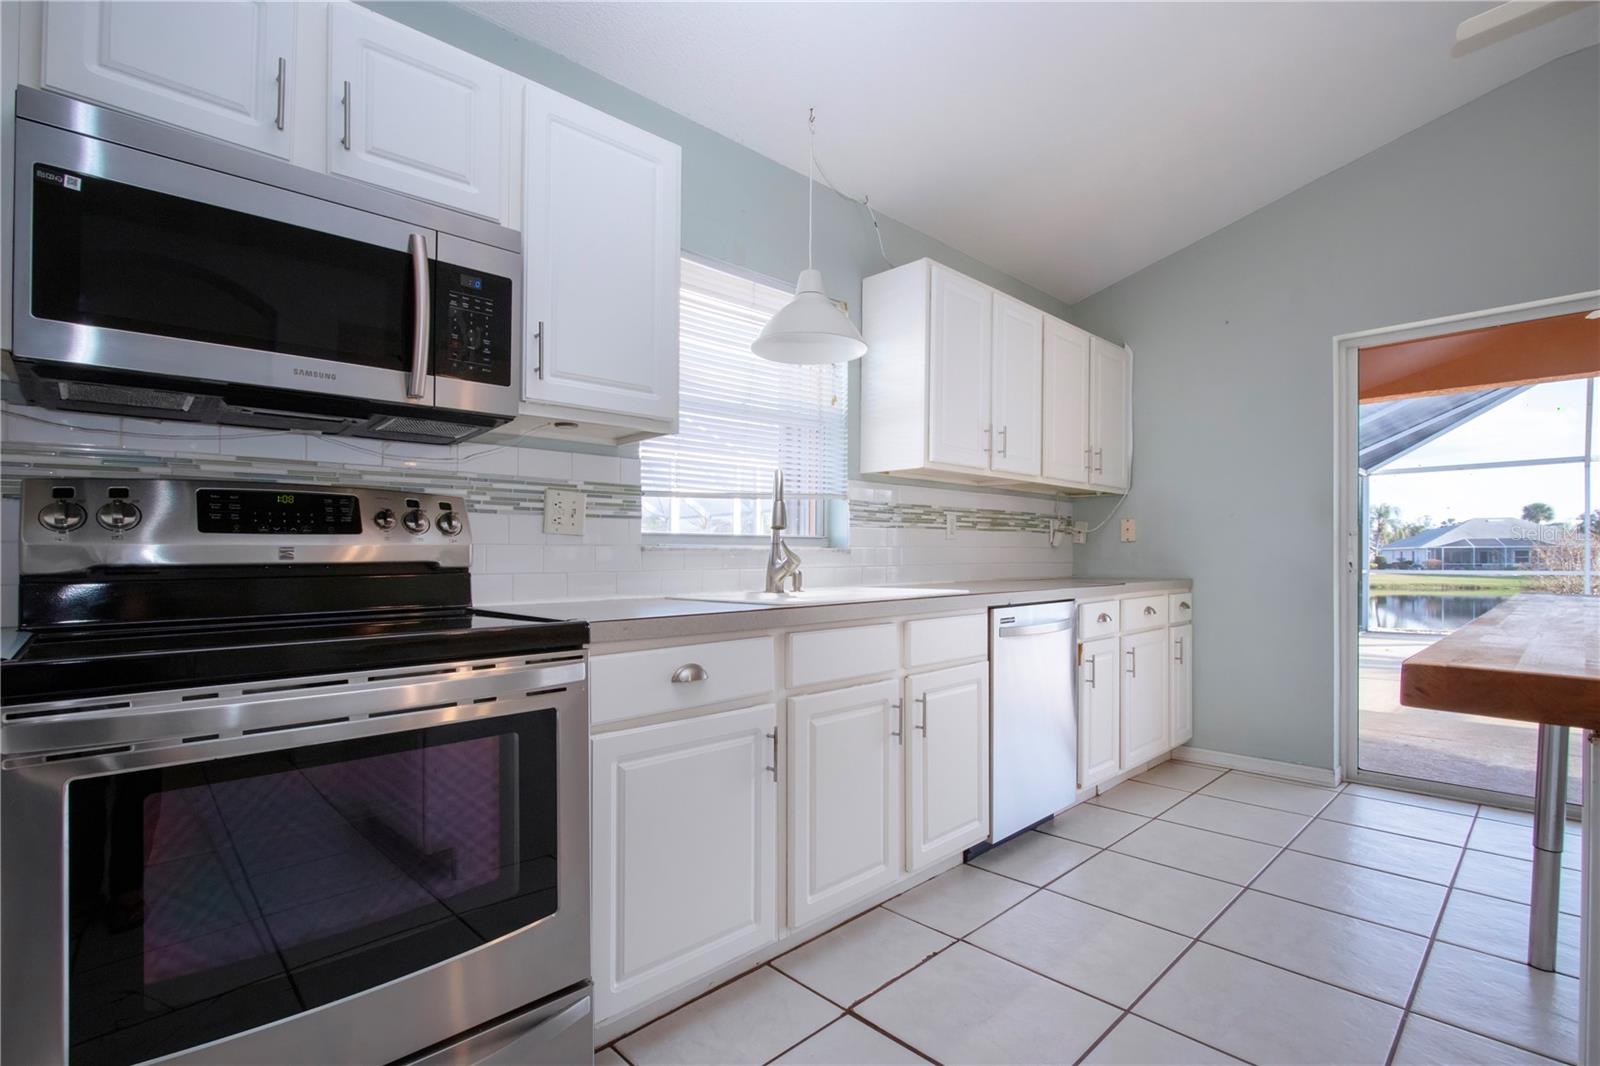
[
  {"x": 960, "y": 347},
  {"x": 1018, "y": 366},
  {"x": 845, "y": 753},
  {"x": 947, "y": 793},
  {"x": 413, "y": 114},
  {"x": 221, "y": 69},
  {"x": 1109, "y": 376},
  {"x": 600, "y": 218},
  {"x": 684, "y": 851},
  {"x": 1181, "y": 640},
  {"x": 1099, "y": 732},
  {"x": 1066, "y": 403},
  {"x": 1145, "y": 714}
]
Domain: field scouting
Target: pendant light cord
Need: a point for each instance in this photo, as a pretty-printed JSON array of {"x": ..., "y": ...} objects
[{"x": 811, "y": 179}]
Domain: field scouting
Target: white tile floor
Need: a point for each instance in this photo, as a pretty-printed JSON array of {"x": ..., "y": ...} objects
[{"x": 1190, "y": 916}]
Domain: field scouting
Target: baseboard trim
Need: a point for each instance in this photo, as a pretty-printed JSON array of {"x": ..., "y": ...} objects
[{"x": 1313, "y": 775}]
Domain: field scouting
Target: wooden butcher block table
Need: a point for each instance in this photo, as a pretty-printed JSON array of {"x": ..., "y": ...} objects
[{"x": 1535, "y": 658}]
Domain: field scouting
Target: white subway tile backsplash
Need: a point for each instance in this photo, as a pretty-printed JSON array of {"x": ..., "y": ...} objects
[
  {"x": 513, "y": 559},
  {"x": 639, "y": 583},
  {"x": 528, "y": 587},
  {"x": 677, "y": 582},
  {"x": 568, "y": 559},
  {"x": 583, "y": 586},
  {"x": 540, "y": 465},
  {"x": 172, "y": 438},
  {"x": 489, "y": 528},
  {"x": 603, "y": 469},
  {"x": 525, "y": 529}
]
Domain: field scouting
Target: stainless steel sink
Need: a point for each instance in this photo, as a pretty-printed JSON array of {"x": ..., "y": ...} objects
[{"x": 814, "y": 597}]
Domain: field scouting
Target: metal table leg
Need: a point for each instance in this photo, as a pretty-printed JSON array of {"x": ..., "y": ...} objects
[
  {"x": 1549, "y": 825},
  {"x": 1589, "y": 952}
]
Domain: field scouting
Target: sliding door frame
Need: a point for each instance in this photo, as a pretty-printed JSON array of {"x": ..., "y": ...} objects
[{"x": 1350, "y": 542}]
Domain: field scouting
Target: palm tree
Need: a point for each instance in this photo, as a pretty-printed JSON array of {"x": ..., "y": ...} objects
[
  {"x": 1385, "y": 520},
  {"x": 1538, "y": 513}
]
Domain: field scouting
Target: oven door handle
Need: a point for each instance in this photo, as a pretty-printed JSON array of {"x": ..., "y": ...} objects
[
  {"x": 270, "y": 710},
  {"x": 417, "y": 379}
]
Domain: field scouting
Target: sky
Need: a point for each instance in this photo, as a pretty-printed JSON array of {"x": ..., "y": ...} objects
[{"x": 1543, "y": 422}]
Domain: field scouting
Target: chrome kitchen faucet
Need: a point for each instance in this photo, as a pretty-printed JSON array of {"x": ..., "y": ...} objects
[{"x": 782, "y": 562}]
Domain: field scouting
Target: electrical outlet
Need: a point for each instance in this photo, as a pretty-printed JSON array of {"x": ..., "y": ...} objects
[
  {"x": 949, "y": 525},
  {"x": 1080, "y": 536},
  {"x": 1080, "y": 526},
  {"x": 563, "y": 511},
  {"x": 1129, "y": 531}
]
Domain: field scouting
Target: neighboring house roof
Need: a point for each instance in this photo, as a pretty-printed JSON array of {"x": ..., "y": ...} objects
[{"x": 1473, "y": 533}]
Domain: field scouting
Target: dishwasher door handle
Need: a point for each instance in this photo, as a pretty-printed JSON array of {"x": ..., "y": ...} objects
[{"x": 1035, "y": 630}]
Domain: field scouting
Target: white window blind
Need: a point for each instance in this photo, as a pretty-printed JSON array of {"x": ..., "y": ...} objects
[{"x": 741, "y": 417}]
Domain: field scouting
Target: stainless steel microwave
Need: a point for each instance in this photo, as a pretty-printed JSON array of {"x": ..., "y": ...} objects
[{"x": 162, "y": 274}]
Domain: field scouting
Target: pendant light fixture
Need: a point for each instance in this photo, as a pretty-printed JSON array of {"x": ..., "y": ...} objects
[{"x": 810, "y": 329}]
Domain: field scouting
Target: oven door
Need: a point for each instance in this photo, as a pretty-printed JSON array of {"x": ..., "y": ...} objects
[
  {"x": 131, "y": 261},
  {"x": 344, "y": 869}
]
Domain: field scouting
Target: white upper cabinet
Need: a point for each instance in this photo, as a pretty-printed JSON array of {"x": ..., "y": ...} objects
[
  {"x": 1018, "y": 351},
  {"x": 845, "y": 799},
  {"x": 221, "y": 69},
  {"x": 1110, "y": 373},
  {"x": 601, "y": 254},
  {"x": 947, "y": 785},
  {"x": 963, "y": 383},
  {"x": 1066, "y": 403},
  {"x": 960, "y": 350},
  {"x": 413, "y": 114}
]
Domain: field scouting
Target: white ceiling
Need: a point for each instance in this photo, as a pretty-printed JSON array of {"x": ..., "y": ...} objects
[{"x": 1068, "y": 145}]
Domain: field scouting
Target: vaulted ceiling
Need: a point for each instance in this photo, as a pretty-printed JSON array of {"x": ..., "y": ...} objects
[{"x": 1067, "y": 144}]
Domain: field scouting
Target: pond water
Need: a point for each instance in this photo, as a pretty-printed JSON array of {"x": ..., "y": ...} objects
[{"x": 1427, "y": 613}]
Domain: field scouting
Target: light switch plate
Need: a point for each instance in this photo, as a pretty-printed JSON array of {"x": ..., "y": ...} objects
[
  {"x": 1129, "y": 530},
  {"x": 563, "y": 511}
]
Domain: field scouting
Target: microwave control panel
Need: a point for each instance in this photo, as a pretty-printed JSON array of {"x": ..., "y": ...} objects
[{"x": 472, "y": 325}]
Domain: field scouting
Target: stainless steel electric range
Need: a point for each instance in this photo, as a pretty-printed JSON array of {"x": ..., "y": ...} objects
[{"x": 272, "y": 791}]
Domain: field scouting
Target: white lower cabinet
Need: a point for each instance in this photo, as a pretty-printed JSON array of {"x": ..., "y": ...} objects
[
  {"x": 947, "y": 779},
  {"x": 845, "y": 800},
  {"x": 1099, "y": 718},
  {"x": 1145, "y": 714},
  {"x": 685, "y": 848},
  {"x": 1181, "y": 639}
]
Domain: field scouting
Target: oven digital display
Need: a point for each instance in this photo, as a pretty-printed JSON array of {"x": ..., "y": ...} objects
[{"x": 272, "y": 511}]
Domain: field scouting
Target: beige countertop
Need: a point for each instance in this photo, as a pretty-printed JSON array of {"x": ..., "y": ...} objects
[{"x": 613, "y": 621}]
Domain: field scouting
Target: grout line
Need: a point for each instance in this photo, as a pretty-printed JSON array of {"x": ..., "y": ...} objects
[{"x": 1427, "y": 952}]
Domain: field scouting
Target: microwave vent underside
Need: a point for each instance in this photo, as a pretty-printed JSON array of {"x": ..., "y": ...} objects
[
  {"x": 125, "y": 396},
  {"x": 404, "y": 427}
]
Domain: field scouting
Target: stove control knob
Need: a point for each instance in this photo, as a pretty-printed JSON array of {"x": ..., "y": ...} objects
[
  {"x": 449, "y": 523},
  {"x": 62, "y": 516},
  {"x": 119, "y": 516},
  {"x": 416, "y": 522},
  {"x": 384, "y": 519}
]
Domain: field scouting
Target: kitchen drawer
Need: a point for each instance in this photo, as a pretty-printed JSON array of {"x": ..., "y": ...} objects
[
  {"x": 931, "y": 641},
  {"x": 822, "y": 655},
  {"x": 1098, "y": 619},
  {"x": 1144, "y": 612},
  {"x": 1180, "y": 607},
  {"x": 633, "y": 684}
]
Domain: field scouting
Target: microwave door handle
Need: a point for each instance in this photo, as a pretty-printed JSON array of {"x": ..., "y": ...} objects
[{"x": 416, "y": 381}]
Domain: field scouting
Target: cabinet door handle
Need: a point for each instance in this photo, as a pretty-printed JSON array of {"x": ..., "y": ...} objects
[
  {"x": 283, "y": 83},
  {"x": 1088, "y": 458},
  {"x": 923, "y": 728},
  {"x": 345, "y": 140},
  {"x": 895, "y": 706},
  {"x": 1180, "y": 649},
  {"x": 538, "y": 367},
  {"x": 1133, "y": 663},
  {"x": 1099, "y": 467},
  {"x": 1003, "y": 433},
  {"x": 988, "y": 439},
  {"x": 773, "y": 769},
  {"x": 1090, "y": 677},
  {"x": 1149, "y": 611},
  {"x": 689, "y": 672}
]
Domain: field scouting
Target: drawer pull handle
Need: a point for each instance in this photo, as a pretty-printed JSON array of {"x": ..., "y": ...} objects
[
  {"x": 1183, "y": 605},
  {"x": 773, "y": 769},
  {"x": 1149, "y": 611},
  {"x": 689, "y": 672},
  {"x": 1104, "y": 619}
]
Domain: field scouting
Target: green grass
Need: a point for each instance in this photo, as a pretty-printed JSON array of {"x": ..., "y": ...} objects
[{"x": 1382, "y": 581}]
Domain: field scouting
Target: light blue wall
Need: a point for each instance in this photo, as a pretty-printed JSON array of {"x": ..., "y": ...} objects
[
  {"x": 1496, "y": 203},
  {"x": 739, "y": 207}
]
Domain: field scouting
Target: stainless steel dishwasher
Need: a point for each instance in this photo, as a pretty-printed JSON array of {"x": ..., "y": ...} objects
[{"x": 1034, "y": 732}]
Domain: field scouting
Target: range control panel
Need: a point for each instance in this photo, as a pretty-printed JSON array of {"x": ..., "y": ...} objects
[
  {"x": 473, "y": 320},
  {"x": 75, "y": 524}
]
